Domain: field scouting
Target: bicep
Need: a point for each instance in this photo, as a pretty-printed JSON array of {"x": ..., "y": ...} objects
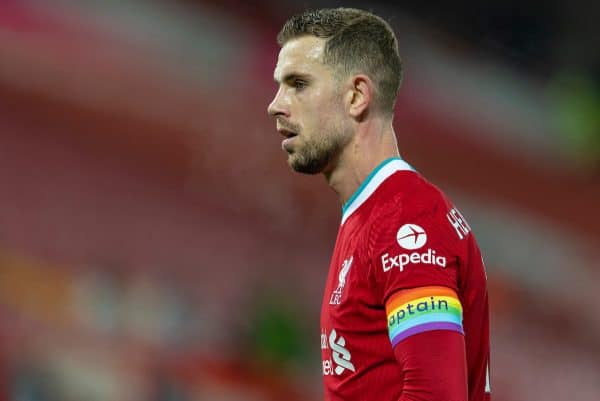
[{"x": 425, "y": 330}]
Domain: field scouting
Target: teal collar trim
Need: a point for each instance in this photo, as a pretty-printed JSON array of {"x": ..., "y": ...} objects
[{"x": 372, "y": 182}]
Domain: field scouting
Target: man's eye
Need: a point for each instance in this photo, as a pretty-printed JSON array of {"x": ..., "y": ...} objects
[{"x": 299, "y": 84}]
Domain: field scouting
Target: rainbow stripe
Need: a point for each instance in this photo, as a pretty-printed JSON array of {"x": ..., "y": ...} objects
[{"x": 423, "y": 309}]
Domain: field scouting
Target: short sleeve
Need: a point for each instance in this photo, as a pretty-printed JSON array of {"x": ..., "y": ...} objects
[{"x": 412, "y": 247}]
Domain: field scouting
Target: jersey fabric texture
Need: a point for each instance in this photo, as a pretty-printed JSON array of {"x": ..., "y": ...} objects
[{"x": 405, "y": 264}]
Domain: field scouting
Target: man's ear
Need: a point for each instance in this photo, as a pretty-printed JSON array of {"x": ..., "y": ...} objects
[{"x": 360, "y": 95}]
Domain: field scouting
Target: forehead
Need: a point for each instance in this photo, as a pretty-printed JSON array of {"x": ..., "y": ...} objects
[{"x": 300, "y": 55}]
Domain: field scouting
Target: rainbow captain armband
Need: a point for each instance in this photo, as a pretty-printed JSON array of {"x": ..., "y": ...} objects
[{"x": 422, "y": 309}]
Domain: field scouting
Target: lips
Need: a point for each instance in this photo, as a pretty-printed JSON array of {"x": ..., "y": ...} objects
[
  {"x": 286, "y": 144},
  {"x": 286, "y": 133}
]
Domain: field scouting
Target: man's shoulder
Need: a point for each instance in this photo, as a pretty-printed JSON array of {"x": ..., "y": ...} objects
[
  {"x": 410, "y": 208},
  {"x": 407, "y": 194}
]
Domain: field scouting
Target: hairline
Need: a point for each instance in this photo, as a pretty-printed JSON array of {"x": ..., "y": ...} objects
[
  {"x": 337, "y": 69},
  {"x": 341, "y": 69}
]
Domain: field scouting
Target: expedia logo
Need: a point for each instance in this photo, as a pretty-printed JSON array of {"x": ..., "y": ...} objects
[{"x": 411, "y": 237}]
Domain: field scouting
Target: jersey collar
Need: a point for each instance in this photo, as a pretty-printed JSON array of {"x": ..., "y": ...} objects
[{"x": 372, "y": 182}]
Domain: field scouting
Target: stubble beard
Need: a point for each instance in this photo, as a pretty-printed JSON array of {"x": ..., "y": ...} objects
[{"x": 316, "y": 154}]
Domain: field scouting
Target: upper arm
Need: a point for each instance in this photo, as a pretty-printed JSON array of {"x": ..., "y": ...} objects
[
  {"x": 414, "y": 263},
  {"x": 434, "y": 367},
  {"x": 425, "y": 330}
]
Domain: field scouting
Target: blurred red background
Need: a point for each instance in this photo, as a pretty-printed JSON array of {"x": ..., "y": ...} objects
[{"x": 154, "y": 245}]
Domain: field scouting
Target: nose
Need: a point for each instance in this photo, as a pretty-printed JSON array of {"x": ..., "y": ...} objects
[{"x": 277, "y": 107}]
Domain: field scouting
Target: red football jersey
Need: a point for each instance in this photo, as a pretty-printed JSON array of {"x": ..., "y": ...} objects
[{"x": 405, "y": 262}]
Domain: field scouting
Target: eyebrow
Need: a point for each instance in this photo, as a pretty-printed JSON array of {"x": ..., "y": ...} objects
[{"x": 291, "y": 76}]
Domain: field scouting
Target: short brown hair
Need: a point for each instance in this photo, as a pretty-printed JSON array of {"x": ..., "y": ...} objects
[{"x": 357, "y": 41}]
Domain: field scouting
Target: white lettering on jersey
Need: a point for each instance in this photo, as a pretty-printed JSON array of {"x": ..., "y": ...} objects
[
  {"x": 401, "y": 260},
  {"x": 458, "y": 222},
  {"x": 411, "y": 237}
]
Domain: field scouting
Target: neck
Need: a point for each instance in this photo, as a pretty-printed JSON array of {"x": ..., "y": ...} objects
[{"x": 373, "y": 142}]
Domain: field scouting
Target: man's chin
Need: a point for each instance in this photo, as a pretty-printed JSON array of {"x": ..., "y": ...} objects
[{"x": 305, "y": 166}]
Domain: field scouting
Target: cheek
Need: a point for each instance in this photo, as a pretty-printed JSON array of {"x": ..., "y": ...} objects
[
  {"x": 323, "y": 105},
  {"x": 329, "y": 112},
  {"x": 319, "y": 110}
]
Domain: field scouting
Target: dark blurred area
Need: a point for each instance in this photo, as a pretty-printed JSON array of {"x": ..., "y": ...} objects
[{"x": 155, "y": 246}]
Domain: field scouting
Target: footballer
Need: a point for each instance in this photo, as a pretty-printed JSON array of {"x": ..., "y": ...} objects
[{"x": 405, "y": 309}]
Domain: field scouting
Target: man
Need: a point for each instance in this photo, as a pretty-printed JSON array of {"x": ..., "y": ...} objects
[{"x": 405, "y": 309}]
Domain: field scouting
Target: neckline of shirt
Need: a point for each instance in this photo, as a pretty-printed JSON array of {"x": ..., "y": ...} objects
[{"x": 372, "y": 182}]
